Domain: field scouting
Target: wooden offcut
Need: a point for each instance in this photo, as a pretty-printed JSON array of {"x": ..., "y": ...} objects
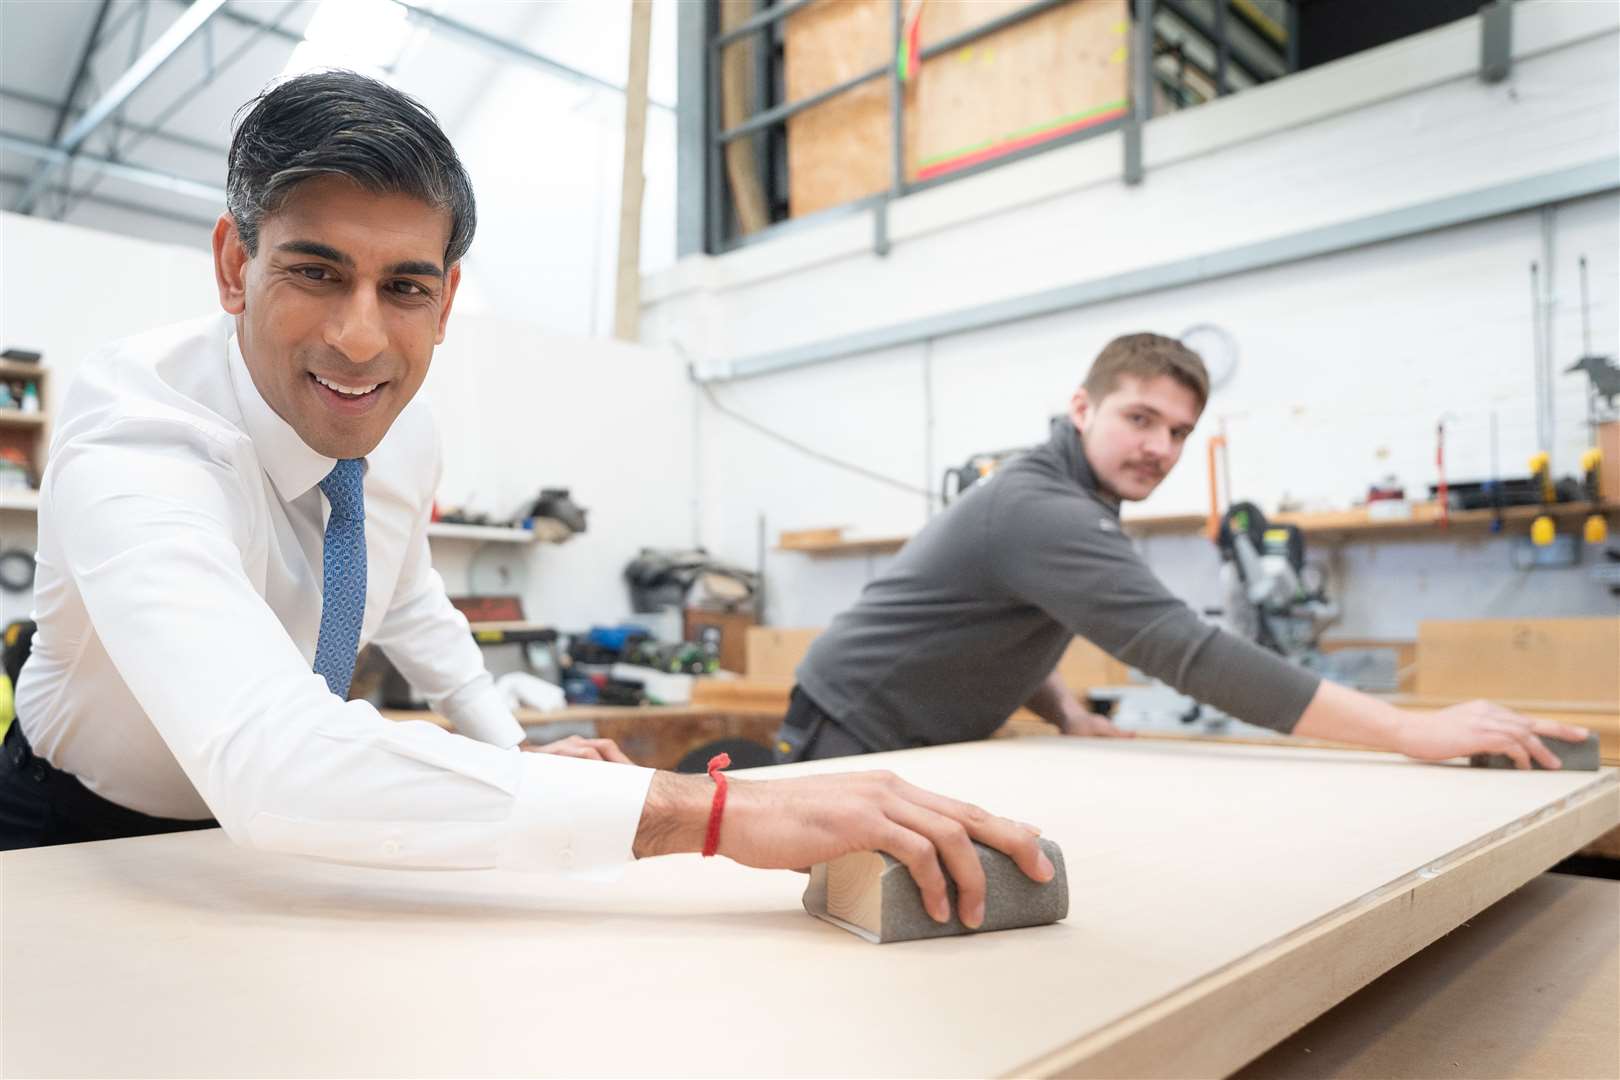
[
  {"x": 1550, "y": 660},
  {"x": 774, "y": 652},
  {"x": 1053, "y": 69},
  {"x": 627, "y": 277}
]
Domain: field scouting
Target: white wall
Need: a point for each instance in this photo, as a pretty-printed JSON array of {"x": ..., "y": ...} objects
[
  {"x": 519, "y": 409},
  {"x": 1348, "y": 360}
]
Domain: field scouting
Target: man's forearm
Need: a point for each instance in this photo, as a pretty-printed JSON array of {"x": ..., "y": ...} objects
[
  {"x": 1052, "y": 701},
  {"x": 1339, "y": 714}
]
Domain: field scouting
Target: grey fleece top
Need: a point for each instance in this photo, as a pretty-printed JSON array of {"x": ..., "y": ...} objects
[{"x": 977, "y": 608}]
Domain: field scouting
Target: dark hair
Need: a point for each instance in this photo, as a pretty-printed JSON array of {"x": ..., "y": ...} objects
[
  {"x": 339, "y": 123},
  {"x": 1147, "y": 356}
]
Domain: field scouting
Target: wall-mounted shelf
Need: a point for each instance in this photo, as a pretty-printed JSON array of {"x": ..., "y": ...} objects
[
  {"x": 21, "y": 501},
  {"x": 18, "y": 419},
  {"x": 1423, "y": 523},
  {"x": 833, "y": 542},
  {"x": 480, "y": 534}
]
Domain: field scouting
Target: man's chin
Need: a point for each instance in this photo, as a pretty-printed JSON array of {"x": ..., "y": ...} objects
[
  {"x": 342, "y": 445},
  {"x": 1137, "y": 490}
]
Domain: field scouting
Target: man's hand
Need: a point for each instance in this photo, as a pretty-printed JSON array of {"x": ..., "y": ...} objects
[
  {"x": 1479, "y": 727},
  {"x": 793, "y": 824},
  {"x": 577, "y": 746},
  {"x": 1340, "y": 714},
  {"x": 1083, "y": 722}
]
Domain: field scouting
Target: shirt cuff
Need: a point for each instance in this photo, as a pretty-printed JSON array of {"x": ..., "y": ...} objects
[
  {"x": 478, "y": 711},
  {"x": 574, "y": 817}
]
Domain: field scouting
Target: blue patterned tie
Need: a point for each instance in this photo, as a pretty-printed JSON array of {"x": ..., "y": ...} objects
[{"x": 343, "y": 575}]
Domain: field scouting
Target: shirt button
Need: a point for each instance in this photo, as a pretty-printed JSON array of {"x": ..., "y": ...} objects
[
  {"x": 390, "y": 847},
  {"x": 566, "y": 856}
]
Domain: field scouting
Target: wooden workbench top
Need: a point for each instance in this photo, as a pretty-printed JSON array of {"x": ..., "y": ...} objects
[{"x": 1295, "y": 877}]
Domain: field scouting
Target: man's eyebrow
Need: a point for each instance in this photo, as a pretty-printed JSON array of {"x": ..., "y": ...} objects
[
  {"x": 319, "y": 251},
  {"x": 1157, "y": 415},
  {"x": 417, "y": 268}
]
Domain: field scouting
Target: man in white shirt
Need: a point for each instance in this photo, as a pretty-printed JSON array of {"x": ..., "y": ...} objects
[{"x": 233, "y": 505}]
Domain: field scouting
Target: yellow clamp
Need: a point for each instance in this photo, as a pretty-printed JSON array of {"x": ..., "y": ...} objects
[
  {"x": 1541, "y": 469},
  {"x": 1597, "y": 530},
  {"x": 1542, "y": 531}
]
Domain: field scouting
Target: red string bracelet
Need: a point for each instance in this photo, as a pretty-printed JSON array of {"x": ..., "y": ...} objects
[{"x": 711, "y": 843}]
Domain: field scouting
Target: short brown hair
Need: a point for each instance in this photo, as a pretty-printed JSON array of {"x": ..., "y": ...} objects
[{"x": 1147, "y": 356}]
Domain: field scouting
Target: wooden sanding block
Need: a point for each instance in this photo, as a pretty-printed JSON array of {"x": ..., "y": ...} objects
[
  {"x": 873, "y": 896},
  {"x": 1575, "y": 755}
]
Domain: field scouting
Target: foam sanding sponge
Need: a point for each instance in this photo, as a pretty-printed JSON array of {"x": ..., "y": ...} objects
[
  {"x": 1574, "y": 755},
  {"x": 873, "y": 896}
]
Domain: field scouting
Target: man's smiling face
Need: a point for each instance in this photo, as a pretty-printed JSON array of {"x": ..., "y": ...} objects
[{"x": 338, "y": 311}]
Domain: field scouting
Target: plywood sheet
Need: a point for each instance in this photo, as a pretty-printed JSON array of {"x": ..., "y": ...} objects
[
  {"x": 1545, "y": 659},
  {"x": 1202, "y": 880},
  {"x": 1055, "y": 72},
  {"x": 840, "y": 150},
  {"x": 1060, "y": 71}
]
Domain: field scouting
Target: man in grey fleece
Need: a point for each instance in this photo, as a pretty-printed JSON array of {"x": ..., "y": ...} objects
[{"x": 970, "y": 620}]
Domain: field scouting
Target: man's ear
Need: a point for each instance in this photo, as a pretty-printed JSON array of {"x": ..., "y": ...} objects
[
  {"x": 452, "y": 281},
  {"x": 230, "y": 265},
  {"x": 1080, "y": 409}
]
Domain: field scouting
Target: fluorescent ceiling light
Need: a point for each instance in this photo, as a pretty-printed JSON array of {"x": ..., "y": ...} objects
[{"x": 361, "y": 35}]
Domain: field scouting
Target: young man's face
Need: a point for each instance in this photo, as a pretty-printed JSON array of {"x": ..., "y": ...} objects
[
  {"x": 1135, "y": 434},
  {"x": 348, "y": 292}
]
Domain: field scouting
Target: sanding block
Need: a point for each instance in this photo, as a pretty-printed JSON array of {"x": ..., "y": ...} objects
[
  {"x": 873, "y": 896},
  {"x": 1575, "y": 755}
]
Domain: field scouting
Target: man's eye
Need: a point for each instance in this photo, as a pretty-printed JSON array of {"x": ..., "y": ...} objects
[
  {"x": 314, "y": 273},
  {"x": 409, "y": 288}
]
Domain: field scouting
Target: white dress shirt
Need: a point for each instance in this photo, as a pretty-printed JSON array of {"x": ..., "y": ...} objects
[{"x": 178, "y": 598}]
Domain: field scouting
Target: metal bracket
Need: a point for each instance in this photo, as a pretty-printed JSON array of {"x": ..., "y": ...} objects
[
  {"x": 880, "y": 229},
  {"x": 1496, "y": 40},
  {"x": 1141, "y": 76}
]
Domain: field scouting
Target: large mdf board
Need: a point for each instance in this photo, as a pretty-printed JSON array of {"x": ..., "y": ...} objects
[
  {"x": 1054, "y": 72},
  {"x": 1552, "y": 660},
  {"x": 1219, "y": 899}
]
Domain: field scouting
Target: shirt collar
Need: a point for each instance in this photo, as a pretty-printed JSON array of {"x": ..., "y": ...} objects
[
  {"x": 1071, "y": 452},
  {"x": 292, "y": 465}
]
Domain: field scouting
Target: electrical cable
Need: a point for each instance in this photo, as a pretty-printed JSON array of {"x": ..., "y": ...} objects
[{"x": 812, "y": 452}]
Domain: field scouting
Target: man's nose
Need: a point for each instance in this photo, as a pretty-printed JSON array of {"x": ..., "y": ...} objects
[{"x": 357, "y": 330}]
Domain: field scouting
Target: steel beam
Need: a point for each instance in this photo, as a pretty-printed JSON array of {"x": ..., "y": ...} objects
[
  {"x": 56, "y": 156},
  {"x": 493, "y": 43},
  {"x": 153, "y": 58}
]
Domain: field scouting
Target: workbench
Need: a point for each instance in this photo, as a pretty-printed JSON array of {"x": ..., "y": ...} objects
[
  {"x": 1221, "y": 898},
  {"x": 1527, "y": 989},
  {"x": 657, "y": 736}
]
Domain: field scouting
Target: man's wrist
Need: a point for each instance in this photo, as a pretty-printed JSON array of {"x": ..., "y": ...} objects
[
  {"x": 1070, "y": 716},
  {"x": 674, "y": 817}
]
